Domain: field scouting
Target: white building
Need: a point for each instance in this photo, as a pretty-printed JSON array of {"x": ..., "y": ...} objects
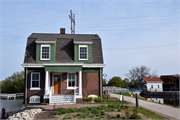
[{"x": 151, "y": 84}]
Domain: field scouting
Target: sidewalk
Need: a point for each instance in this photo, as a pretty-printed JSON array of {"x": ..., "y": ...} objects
[
  {"x": 163, "y": 110},
  {"x": 51, "y": 107}
]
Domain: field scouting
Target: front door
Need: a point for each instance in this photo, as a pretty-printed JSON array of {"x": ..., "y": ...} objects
[{"x": 57, "y": 84}]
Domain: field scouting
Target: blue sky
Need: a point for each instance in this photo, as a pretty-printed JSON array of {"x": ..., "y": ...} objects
[{"x": 133, "y": 32}]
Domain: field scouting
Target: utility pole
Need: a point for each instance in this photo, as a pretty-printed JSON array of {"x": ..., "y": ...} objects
[{"x": 72, "y": 17}]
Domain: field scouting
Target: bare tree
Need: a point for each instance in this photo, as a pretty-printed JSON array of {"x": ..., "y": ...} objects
[{"x": 136, "y": 73}]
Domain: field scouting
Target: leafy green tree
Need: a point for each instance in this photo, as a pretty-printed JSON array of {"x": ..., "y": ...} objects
[
  {"x": 126, "y": 82},
  {"x": 14, "y": 83},
  {"x": 116, "y": 81},
  {"x": 104, "y": 82}
]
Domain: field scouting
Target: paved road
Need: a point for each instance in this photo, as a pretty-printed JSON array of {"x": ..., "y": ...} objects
[{"x": 164, "y": 110}]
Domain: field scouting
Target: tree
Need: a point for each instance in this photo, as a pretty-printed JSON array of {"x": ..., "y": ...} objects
[
  {"x": 126, "y": 82},
  {"x": 136, "y": 73},
  {"x": 116, "y": 81},
  {"x": 14, "y": 83},
  {"x": 104, "y": 82}
]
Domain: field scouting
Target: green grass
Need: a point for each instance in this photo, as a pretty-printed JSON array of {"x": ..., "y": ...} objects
[
  {"x": 150, "y": 114},
  {"x": 123, "y": 93}
]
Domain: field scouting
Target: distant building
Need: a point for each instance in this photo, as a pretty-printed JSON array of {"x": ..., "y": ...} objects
[
  {"x": 151, "y": 84},
  {"x": 171, "y": 83}
]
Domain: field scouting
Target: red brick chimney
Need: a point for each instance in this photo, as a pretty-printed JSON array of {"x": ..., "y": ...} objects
[{"x": 62, "y": 30}]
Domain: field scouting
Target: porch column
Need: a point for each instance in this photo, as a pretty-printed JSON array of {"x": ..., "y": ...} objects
[
  {"x": 47, "y": 81},
  {"x": 80, "y": 82}
]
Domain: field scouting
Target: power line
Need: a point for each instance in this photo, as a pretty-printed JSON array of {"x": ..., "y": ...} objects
[{"x": 141, "y": 47}]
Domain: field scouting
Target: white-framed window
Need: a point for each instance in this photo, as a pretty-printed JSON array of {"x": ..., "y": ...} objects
[
  {"x": 151, "y": 86},
  {"x": 71, "y": 80},
  {"x": 158, "y": 86},
  {"x": 45, "y": 52},
  {"x": 35, "y": 81},
  {"x": 83, "y": 52}
]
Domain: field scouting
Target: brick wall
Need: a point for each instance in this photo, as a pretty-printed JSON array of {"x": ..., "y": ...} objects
[
  {"x": 64, "y": 84},
  {"x": 90, "y": 84},
  {"x": 35, "y": 92}
]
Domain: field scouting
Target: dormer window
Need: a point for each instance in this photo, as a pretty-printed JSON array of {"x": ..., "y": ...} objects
[
  {"x": 45, "y": 52},
  {"x": 83, "y": 52}
]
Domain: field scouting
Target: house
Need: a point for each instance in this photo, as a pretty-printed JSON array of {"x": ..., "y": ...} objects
[
  {"x": 151, "y": 84},
  {"x": 171, "y": 82},
  {"x": 62, "y": 68}
]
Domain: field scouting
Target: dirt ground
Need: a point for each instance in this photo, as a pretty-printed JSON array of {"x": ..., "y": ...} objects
[{"x": 51, "y": 115}]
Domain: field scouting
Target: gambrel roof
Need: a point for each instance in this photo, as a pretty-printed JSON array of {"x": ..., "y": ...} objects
[{"x": 64, "y": 46}]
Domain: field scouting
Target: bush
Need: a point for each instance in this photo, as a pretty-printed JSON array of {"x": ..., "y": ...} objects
[
  {"x": 90, "y": 98},
  {"x": 71, "y": 110},
  {"x": 99, "y": 99},
  {"x": 79, "y": 114},
  {"x": 60, "y": 111},
  {"x": 84, "y": 116},
  {"x": 118, "y": 116},
  {"x": 135, "y": 111},
  {"x": 120, "y": 109},
  {"x": 85, "y": 110},
  {"x": 95, "y": 99},
  {"x": 135, "y": 116},
  {"x": 102, "y": 113}
]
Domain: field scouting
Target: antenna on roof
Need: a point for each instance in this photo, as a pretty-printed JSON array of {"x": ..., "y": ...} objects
[{"x": 72, "y": 22}]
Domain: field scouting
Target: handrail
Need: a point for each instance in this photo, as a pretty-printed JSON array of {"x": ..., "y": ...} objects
[
  {"x": 50, "y": 94},
  {"x": 75, "y": 94}
]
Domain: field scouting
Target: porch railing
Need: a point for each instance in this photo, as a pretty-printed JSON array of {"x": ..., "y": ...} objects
[{"x": 76, "y": 91}]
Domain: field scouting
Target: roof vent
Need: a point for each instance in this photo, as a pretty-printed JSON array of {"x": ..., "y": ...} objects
[{"x": 62, "y": 30}]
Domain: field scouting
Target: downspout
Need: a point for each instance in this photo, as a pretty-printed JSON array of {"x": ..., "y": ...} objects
[
  {"x": 26, "y": 87},
  {"x": 100, "y": 82}
]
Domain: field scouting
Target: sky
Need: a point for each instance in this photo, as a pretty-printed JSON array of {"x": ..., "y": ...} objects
[{"x": 133, "y": 32}]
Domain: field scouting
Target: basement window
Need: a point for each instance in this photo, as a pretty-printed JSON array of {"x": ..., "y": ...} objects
[
  {"x": 45, "y": 52},
  {"x": 83, "y": 52}
]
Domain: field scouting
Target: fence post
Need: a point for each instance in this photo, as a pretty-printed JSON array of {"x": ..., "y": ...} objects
[{"x": 137, "y": 105}]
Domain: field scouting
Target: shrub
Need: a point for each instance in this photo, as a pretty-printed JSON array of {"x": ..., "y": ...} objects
[
  {"x": 90, "y": 98},
  {"x": 109, "y": 106},
  {"x": 69, "y": 117},
  {"x": 81, "y": 109},
  {"x": 92, "y": 116},
  {"x": 135, "y": 116},
  {"x": 88, "y": 114},
  {"x": 108, "y": 115},
  {"x": 71, "y": 110},
  {"x": 95, "y": 99},
  {"x": 120, "y": 109},
  {"x": 118, "y": 116},
  {"x": 135, "y": 111},
  {"x": 61, "y": 111},
  {"x": 112, "y": 109},
  {"x": 99, "y": 99},
  {"x": 85, "y": 110},
  {"x": 102, "y": 113},
  {"x": 84, "y": 116},
  {"x": 79, "y": 114}
]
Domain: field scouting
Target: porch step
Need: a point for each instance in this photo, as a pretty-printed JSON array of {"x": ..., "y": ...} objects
[{"x": 62, "y": 99}]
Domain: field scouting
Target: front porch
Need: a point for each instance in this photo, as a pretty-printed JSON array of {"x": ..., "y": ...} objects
[{"x": 63, "y": 87}]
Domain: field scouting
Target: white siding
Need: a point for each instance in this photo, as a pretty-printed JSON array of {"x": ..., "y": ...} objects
[{"x": 155, "y": 86}]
